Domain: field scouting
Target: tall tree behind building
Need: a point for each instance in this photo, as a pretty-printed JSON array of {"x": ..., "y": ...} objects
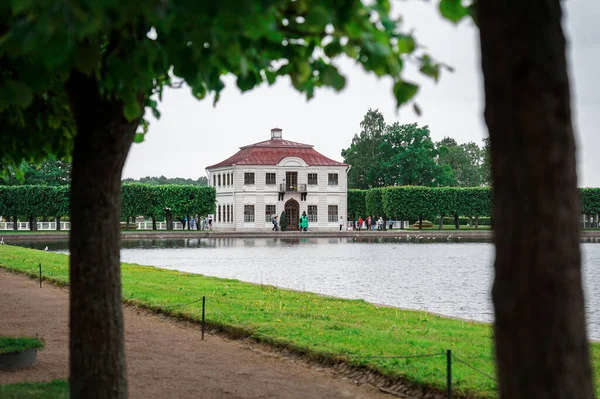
[
  {"x": 363, "y": 153},
  {"x": 464, "y": 159}
]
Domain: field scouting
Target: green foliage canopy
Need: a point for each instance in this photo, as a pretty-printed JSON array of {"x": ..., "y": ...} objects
[{"x": 134, "y": 50}]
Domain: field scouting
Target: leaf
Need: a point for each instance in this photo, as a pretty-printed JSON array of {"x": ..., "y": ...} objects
[
  {"x": 453, "y": 10},
  {"x": 404, "y": 91},
  {"x": 20, "y": 93},
  {"x": 331, "y": 77},
  {"x": 316, "y": 19},
  {"x": 87, "y": 59},
  {"x": 429, "y": 68},
  {"x": 417, "y": 109},
  {"x": 131, "y": 110},
  {"x": 406, "y": 44},
  {"x": 139, "y": 137},
  {"x": 247, "y": 82}
]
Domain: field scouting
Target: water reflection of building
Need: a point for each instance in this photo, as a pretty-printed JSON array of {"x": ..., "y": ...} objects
[{"x": 273, "y": 176}]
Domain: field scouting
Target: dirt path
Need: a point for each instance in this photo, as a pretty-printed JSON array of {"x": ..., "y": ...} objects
[{"x": 164, "y": 359}]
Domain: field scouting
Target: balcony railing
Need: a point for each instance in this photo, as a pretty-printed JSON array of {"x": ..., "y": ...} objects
[{"x": 283, "y": 187}]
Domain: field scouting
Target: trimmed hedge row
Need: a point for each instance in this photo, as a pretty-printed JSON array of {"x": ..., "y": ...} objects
[
  {"x": 136, "y": 199},
  {"x": 410, "y": 202}
]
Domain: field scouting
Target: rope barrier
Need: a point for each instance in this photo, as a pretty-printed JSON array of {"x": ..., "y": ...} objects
[
  {"x": 474, "y": 368},
  {"x": 394, "y": 357},
  {"x": 180, "y": 304}
]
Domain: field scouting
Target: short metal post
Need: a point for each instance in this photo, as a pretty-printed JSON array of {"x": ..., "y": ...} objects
[
  {"x": 449, "y": 372},
  {"x": 40, "y": 275},
  {"x": 203, "y": 307}
]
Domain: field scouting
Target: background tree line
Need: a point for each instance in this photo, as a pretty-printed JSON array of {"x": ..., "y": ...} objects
[
  {"x": 54, "y": 172},
  {"x": 396, "y": 155},
  {"x": 165, "y": 202}
]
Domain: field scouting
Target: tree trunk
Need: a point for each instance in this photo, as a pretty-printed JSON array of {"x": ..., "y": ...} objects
[
  {"x": 32, "y": 223},
  {"x": 476, "y": 222},
  {"x": 456, "y": 222},
  {"x": 169, "y": 219},
  {"x": 420, "y": 222},
  {"x": 97, "y": 353},
  {"x": 540, "y": 330},
  {"x": 153, "y": 223},
  {"x": 57, "y": 223},
  {"x": 15, "y": 223},
  {"x": 441, "y": 225}
]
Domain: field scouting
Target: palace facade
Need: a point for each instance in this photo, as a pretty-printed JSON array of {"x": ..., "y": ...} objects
[{"x": 273, "y": 176}]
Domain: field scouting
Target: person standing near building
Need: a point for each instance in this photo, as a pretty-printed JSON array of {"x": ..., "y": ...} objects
[
  {"x": 360, "y": 222},
  {"x": 341, "y": 222},
  {"x": 303, "y": 223}
]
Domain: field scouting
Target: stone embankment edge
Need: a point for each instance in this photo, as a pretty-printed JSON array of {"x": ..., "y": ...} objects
[{"x": 134, "y": 235}]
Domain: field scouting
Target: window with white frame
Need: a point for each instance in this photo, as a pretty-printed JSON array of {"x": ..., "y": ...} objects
[
  {"x": 219, "y": 214},
  {"x": 270, "y": 178},
  {"x": 219, "y": 179},
  {"x": 312, "y": 213},
  {"x": 214, "y": 180},
  {"x": 248, "y": 178},
  {"x": 228, "y": 179},
  {"x": 313, "y": 179},
  {"x": 332, "y": 179},
  {"x": 249, "y": 212},
  {"x": 270, "y": 211},
  {"x": 332, "y": 213}
]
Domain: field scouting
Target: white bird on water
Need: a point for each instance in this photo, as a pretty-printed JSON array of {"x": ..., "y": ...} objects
[{"x": 46, "y": 249}]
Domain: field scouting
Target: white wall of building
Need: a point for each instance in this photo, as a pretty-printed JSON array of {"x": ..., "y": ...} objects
[{"x": 236, "y": 194}]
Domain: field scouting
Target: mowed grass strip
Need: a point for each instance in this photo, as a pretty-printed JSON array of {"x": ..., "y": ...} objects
[
  {"x": 57, "y": 389},
  {"x": 318, "y": 325}
]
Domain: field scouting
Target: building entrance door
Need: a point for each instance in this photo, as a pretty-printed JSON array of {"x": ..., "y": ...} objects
[{"x": 292, "y": 209}]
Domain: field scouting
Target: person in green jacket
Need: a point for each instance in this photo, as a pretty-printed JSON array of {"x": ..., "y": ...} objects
[{"x": 303, "y": 222}]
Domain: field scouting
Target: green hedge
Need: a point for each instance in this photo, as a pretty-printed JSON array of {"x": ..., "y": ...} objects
[
  {"x": 357, "y": 204},
  {"x": 374, "y": 203},
  {"x": 137, "y": 199}
]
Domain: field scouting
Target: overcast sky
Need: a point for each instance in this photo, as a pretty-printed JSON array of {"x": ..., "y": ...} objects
[{"x": 193, "y": 134}]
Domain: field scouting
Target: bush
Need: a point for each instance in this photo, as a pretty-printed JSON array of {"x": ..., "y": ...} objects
[
  {"x": 283, "y": 221},
  {"x": 426, "y": 223}
]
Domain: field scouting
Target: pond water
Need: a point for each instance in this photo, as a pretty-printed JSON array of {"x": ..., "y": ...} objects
[{"x": 449, "y": 278}]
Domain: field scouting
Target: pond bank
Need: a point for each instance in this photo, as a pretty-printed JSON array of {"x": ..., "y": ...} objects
[{"x": 586, "y": 235}]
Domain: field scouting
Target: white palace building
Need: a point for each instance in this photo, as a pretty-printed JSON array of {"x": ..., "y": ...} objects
[{"x": 274, "y": 176}]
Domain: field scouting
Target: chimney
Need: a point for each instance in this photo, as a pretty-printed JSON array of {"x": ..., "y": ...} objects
[{"x": 276, "y": 133}]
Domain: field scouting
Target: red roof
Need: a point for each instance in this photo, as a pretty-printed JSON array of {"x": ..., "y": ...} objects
[{"x": 271, "y": 152}]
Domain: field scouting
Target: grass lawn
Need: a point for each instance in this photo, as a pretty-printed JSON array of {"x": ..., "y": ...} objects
[
  {"x": 57, "y": 389},
  {"x": 18, "y": 344},
  {"x": 317, "y": 325}
]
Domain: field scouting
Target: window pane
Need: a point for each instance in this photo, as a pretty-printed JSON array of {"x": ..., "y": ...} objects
[
  {"x": 249, "y": 213},
  {"x": 312, "y": 179},
  {"x": 248, "y": 178},
  {"x": 332, "y": 213},
  {"x": 312, "y": 213},
  {"x": 270, "y": 178},
  {"x": 332, "y": 179},
  {"x": 270, "y": 211},
  {"x": 214, "y": 180}
]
